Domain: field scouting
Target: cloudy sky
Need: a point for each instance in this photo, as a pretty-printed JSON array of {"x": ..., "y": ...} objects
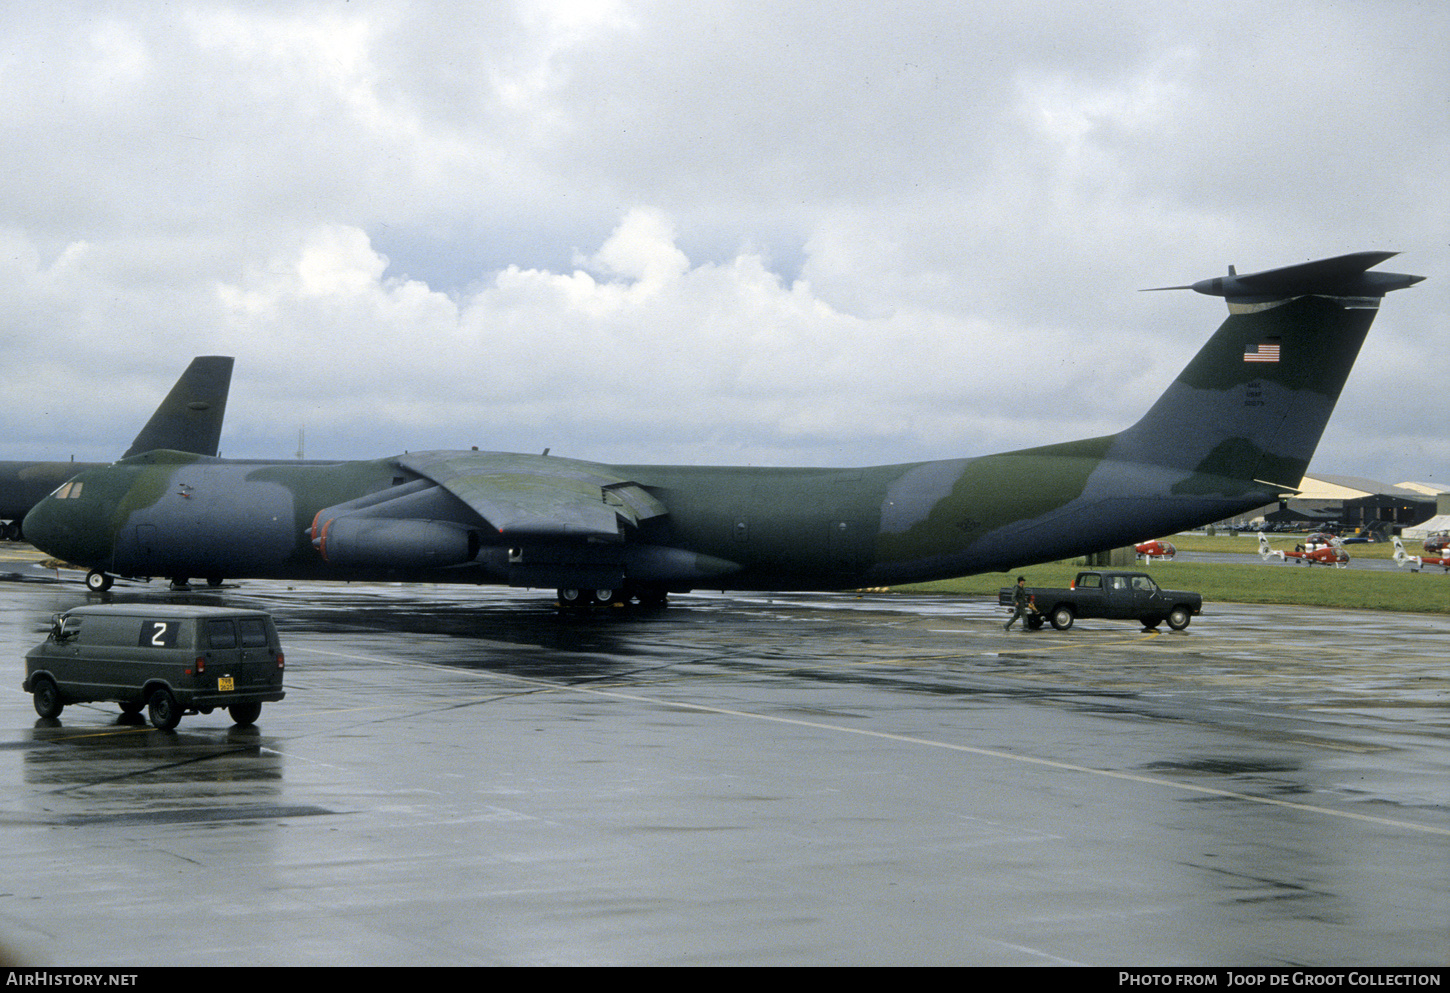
[{"x": 737, "y": 231}]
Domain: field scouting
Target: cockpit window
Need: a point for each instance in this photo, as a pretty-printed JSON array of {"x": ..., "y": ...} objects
[{"x": 69, "y": 491}]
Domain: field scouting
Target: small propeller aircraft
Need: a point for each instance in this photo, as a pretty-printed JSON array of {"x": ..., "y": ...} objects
[
  {"x": 1317, "y": 554},
  {"x": 1418, "y": 561},
  {"x": 1156, "y": 549}
]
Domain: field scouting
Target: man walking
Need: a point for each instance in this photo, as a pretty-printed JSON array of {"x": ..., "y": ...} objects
[{"x": 1021, "y": 604}]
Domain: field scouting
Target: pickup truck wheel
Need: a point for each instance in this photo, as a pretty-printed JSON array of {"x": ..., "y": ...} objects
[
  {"x": 1062, "y": 618},
  {"x": 1178, "y": 618},
  {"x": 47, "y": 698},
  {"x": 164, "y": 711},
  {"x": 1151, "y": 623},
  {"x": 1033, "y": 622},
  {"x": 246, "y": 713}
]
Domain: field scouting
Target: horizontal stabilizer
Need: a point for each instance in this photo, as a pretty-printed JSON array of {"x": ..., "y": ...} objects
[{"x": 1341, "y": 276}]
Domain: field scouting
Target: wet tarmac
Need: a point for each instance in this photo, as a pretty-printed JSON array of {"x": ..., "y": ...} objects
[{"x": 465, "y": 777}]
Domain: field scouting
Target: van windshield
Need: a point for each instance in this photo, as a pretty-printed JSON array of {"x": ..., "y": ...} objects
[{"x": 64, "y": 627}]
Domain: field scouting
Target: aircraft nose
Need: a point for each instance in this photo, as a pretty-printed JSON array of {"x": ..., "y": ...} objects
[
  {"x": 61, "y": 528},
  {"x": 39, "y": 526}
]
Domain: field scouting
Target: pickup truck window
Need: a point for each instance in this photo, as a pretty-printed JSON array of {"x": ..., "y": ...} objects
[
  {"x": 1118, "y": 582},
  {"x": 1091, "y": 581},
  {"x": 1144, "y": 583}
]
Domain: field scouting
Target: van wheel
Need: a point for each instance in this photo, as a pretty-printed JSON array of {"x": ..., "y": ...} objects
[
  {"x": 1178, "y": 618},
  {"x": 1062, "y": 618},
  {"x": 132, "y": 707},
  {"x": 48, "y": 703},
  {"x": 246, "y": 713},
  {"x": 164, "y": 711}
]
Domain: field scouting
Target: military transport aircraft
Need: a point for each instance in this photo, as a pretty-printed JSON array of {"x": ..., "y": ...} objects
[
  {"x": 188, "y": 420},
  {"x": 1233, "y": 432}
]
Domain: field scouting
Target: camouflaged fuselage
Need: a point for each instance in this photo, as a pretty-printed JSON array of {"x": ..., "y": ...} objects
[{"x": 1234, "y": 431}]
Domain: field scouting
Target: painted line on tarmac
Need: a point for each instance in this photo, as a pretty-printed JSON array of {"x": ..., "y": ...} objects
[{"x": 1131, "y": 777}]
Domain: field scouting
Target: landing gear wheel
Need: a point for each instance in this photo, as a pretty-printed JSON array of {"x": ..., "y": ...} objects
[
  {"x": 97, "y": 581},
  {"x": 1062, "y": 618},
  {"x": 246, "y": 713},
  {"x": 1178, "y": 618},
  {"x": 48, "y": 703},
  {"x": 569, "y": 597},
  {"x": 164, "y": 711}
]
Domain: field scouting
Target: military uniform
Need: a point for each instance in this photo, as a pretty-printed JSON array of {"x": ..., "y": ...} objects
[{"x": 1021, "y": 604}]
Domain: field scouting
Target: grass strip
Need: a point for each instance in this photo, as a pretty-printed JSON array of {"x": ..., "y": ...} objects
[{"x": 1274, "y": 583}]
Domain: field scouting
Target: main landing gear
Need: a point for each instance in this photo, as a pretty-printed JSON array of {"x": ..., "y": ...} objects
[
  {"x": 571, "y": 598},
  {"x": 99, "y": 582}
]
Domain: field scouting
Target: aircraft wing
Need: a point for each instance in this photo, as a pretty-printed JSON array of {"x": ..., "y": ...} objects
[{"x": 538, "y": 495}]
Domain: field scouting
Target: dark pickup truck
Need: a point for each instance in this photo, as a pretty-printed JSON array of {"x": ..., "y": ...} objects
[{"x": 1112, "y": 595}]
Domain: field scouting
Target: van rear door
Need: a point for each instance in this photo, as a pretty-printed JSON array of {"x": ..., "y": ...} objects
[{"x": 258, "y": 668}]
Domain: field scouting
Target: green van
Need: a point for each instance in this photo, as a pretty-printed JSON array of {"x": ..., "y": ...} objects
[{"x": 170, "y": 659}]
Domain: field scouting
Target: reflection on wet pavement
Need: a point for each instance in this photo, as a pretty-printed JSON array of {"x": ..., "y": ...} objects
[{"x": 466, "y": 776}]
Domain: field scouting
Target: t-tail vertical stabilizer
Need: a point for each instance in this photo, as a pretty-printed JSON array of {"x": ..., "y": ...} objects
[
  {"x": 1251, "y": 406},
  {"x": 1233, "y": 432}
]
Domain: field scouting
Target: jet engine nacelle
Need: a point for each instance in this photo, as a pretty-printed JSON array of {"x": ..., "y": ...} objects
[{"x": 382, "y": 543}]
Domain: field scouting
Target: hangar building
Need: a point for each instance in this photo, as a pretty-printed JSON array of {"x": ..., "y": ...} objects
[{"x": 1355, "y": 502}]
